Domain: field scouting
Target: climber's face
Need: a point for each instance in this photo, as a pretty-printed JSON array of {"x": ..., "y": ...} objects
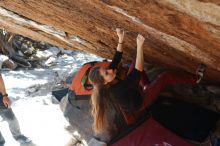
[{"x": 107, "y": 74}]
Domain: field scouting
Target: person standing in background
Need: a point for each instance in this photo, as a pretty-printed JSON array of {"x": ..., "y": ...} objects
[{"x": 8, "y": 115}]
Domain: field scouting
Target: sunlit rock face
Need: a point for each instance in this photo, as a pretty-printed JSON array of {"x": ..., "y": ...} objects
[{"x": 180, "y": 34}]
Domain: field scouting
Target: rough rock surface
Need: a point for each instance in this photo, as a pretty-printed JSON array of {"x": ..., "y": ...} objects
[{"x": 179, "y": 34}]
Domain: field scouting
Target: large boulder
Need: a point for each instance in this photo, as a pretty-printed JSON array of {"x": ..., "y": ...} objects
[{"x": 179, "y": 34}]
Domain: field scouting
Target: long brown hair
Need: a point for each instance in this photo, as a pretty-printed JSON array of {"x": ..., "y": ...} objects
[{"x": 99, "y": 100}]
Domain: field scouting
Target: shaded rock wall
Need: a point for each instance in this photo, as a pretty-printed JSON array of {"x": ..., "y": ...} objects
[{"x": 179, "y": 34}]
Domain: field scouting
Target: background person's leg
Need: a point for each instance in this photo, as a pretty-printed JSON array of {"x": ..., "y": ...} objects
[
  {"x": 8, "y": 115},
  {"x": 2, "y": 140}
]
